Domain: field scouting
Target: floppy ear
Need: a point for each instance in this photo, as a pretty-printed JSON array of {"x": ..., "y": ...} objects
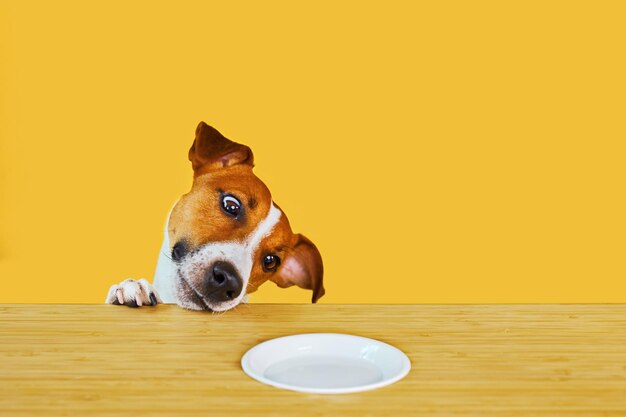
[
  {"x": 302, "y": 267},
  {"x": 211, "y": 150}
]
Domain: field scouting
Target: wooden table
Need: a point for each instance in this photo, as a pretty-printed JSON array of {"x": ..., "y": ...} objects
[{"x": 468, "y": 360}]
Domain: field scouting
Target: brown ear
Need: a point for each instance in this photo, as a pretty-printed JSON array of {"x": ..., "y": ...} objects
[
  {"x": 302, "y": 267},
  {"x": 211, "y": 150}
]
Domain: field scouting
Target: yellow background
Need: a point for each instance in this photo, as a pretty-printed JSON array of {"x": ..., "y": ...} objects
[{"x": 463, "y": 151}]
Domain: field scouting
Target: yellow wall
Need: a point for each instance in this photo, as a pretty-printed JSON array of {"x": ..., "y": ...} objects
[{"x": 463, "y": 151}]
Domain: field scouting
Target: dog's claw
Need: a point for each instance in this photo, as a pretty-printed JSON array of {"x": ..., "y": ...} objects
[{"x": 133, "y": 293}]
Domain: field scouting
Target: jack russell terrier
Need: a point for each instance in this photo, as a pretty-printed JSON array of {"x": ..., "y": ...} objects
[{"x": 224, "y": 238}]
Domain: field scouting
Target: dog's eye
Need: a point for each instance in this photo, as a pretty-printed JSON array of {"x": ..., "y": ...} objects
[
  {"x": 270, "y": 263},
  {"x": 179, "y": 250},
  {"x": 231, "y": 205}
]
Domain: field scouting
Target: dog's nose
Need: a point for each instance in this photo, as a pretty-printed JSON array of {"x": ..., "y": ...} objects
[{"x": 223, "y": 283}]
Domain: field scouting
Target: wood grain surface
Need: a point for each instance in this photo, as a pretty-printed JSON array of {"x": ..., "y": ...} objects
[{"x": 468, "y": 360}]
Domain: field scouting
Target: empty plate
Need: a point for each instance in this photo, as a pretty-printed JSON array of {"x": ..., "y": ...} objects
[{"x": 325, "y": 363}]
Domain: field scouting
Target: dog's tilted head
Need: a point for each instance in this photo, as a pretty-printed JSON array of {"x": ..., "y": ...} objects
[{"x": 228, "y": 237}]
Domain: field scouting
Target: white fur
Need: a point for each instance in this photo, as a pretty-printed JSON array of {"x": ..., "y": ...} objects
[{"x": 164, "y": 274}]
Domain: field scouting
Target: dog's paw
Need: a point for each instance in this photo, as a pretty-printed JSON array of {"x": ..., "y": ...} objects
[{"x": 133, "y": 293}]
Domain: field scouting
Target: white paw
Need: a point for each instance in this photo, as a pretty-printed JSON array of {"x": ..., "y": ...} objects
[{"x": 133, "y": 293}]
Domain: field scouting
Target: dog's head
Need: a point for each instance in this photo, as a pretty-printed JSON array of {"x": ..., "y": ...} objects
[{"x": 228, "y": 237}]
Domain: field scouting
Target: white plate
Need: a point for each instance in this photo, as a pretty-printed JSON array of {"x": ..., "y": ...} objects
[{"x": 325, "y": 363}]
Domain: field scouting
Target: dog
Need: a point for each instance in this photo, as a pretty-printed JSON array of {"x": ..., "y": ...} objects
[{"x": 224, "y": 238}]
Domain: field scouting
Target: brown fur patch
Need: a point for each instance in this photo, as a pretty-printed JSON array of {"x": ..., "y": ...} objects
[{"x": 198, "y": 218}]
